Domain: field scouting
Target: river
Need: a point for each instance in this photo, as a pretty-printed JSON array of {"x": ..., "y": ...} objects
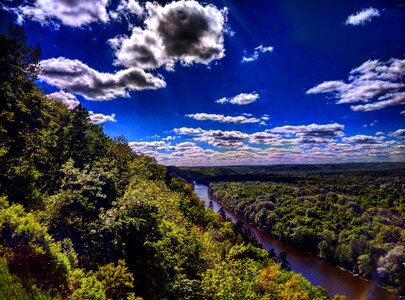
[{"x": 318, "y": 272}]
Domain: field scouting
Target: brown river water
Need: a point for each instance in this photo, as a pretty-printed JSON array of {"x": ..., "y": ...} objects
[{"x": 318, "y": 272}]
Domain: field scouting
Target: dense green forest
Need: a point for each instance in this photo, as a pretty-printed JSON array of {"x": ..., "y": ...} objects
[
  {"x": 284, "y": 173},
  {"x": 350, "y": 220},
  {"x": 82, "y": 217}
]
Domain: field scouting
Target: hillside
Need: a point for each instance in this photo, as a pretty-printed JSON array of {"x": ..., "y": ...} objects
[{"x": 82, "y": 217}]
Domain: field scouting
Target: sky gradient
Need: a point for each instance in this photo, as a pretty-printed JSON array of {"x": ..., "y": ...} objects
[{"x": 229, "y": 82}]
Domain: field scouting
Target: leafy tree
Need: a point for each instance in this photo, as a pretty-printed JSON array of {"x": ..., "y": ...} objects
[{"x": 116, "y": 280}]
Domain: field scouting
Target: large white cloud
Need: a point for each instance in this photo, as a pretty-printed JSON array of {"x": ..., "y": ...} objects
[
  {"x": 66, "y": 98},
  {"x": 181, "y": 31},
  {"x": 223, "y": 119},
  {"x": 375, "y": 84},
  {"x": 79, "y": 78},
  {"x": 363, "y": 16},
  {"x": 240, "y": 99},
  {"x": 75, "y": 13}
]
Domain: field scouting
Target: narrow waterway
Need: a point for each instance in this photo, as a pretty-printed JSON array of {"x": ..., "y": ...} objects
[{"x": 318, "y": 272}]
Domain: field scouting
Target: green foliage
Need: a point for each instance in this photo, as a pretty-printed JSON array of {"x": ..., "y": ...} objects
[
  {"x": 87, "y": 287},
  {"x": 12, "y": 288},
  {"x": 351, "y": 221},
  {"x": 31, "y": 252},
  {"x": 116, "y": 280}
]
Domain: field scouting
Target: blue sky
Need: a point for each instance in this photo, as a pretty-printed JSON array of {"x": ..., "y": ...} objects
[{"x": 229, "y": 82}]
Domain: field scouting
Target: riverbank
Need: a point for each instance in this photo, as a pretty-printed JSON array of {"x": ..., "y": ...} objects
[
  {"x": 318, "y": 272},
  {"x": 212, "y": 198}
]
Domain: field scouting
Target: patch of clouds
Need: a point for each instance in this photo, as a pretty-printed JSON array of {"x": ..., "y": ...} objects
[
  {"x": 364, "y": 139},
  {"x": 240, "y": 99},
  {"x": 169, "y": 138},
  {"x": 326, "y": 87},
  {"x": 217, "y": 138},
  {"x": 362, "y": 17},
  {"x": 374, "y": 84},
  {"x": 256, "y": 53},
  {"x": 101, "y": 118},
  {"x": 264, "y": 138},
  {"x": 74, "y": 13},
  {"x": 222, "y": 118},
  {"x": 317, "y": 133},
  {"x": 181, "y": 31},
  {"x": 266, "y": 147},
  {"x": 145, "y": 147},
  {"x": 81, "y": 79},
  {"x": 278, "y": 136},
  {"x": 400, "y": 133},
  {"x": 65, "y": 98},
  {"x": 389, "y": 100},
  {"x": 126, "y": 8},
  {"x": 372, "y": 124},
  {"x": 265, "y": 117}
]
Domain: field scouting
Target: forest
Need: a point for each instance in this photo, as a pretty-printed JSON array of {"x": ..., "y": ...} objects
[
  {"x": 283, "y": 172},
  {"x": 355, "y": 221},
  {"x": 83, "y": 217}
]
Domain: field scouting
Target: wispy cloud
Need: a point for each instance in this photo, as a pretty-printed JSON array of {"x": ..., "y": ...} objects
[
  {"x": 223, "y": 119},
  {"x": 256, "y": 53},
  {"x": 241, "y": 99},
  {"x": 363, "y": 16},
  {"x": 375, "y": 83}
]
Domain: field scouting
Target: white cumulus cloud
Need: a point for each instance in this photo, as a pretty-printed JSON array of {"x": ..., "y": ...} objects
[
  {"x": 374, "y": 84},
  {"x": 101, "y": 118},
  {"x": 241, "y": 99},
  {"x": 181, "y": 31},
  {"x": 223, "y": 118},
  {"x": 79, "y": 78}
]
